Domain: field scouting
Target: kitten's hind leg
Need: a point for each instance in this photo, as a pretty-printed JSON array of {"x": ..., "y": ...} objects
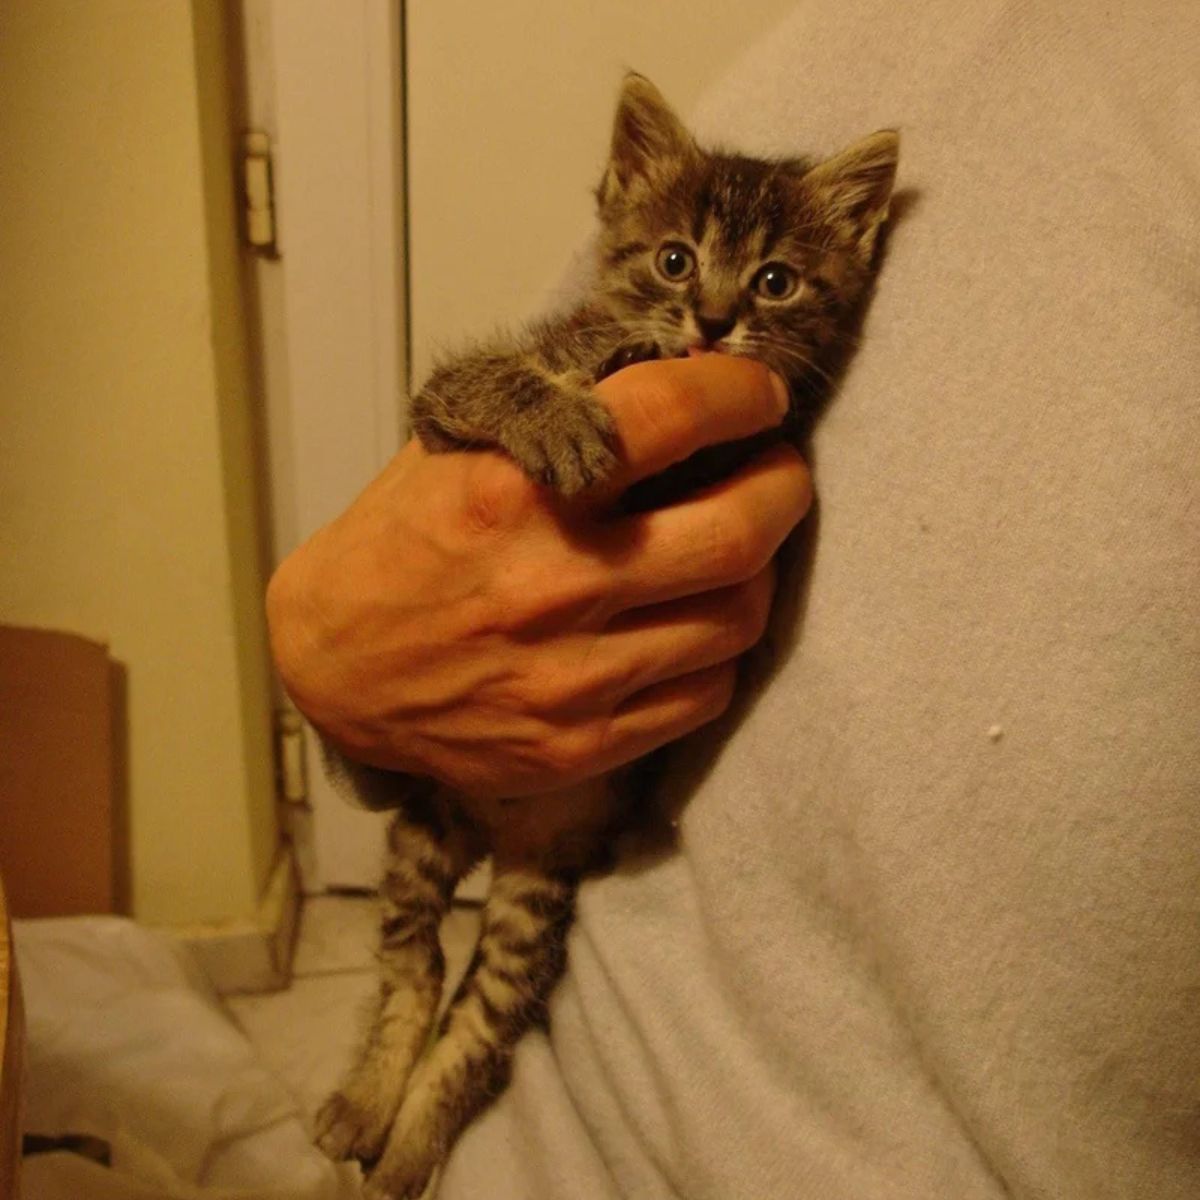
[
  {"x": 520, "y": 957},
  {"x": 426, "y": 857}
]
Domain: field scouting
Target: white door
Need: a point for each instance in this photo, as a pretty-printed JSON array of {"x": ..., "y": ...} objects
[
  {"x": 497, "y": 119},
  {"x": 324, "y": 84},
  {"x": 509, "y": 112}
]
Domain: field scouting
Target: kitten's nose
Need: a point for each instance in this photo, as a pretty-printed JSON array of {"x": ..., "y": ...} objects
[{"x": 714, "y": 328}]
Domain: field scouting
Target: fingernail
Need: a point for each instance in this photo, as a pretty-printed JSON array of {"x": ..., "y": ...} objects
[{"x": 780, "y": 391}]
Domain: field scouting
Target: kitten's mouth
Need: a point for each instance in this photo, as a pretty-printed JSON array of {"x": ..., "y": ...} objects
[{"x": 641, "y": 352}]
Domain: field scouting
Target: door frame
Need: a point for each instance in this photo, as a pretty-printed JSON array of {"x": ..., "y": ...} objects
[{"x": 324, "y": 80}]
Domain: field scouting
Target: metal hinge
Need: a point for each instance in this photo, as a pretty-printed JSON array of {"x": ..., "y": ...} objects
[
  {"x": 258, "y": 193},
  {"x": 289, "y": 737}
]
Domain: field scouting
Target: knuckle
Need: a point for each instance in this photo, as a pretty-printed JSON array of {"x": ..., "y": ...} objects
[
  {"x": 574, "y": 749},
  {"x": 550, "y": 692},
  {"x": 497, "y": 494},
  {"x": 733, "y": 544},
  {"x": 504, "y": 610},
  {"x": 716, "y": 693},
  {"x": 545, "y": 598},
  {"x": 748, "y": 618}
]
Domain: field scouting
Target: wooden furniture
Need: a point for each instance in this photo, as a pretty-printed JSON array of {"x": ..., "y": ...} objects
[
  {"x": 12, "y": 1060},
  {"x": 62, "y": 844}
]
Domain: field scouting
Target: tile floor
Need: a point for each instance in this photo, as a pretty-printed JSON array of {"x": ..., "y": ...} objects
[{"x": 307, "y": 1033}]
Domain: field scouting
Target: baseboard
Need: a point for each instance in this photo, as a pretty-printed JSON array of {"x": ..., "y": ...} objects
[{"x": 252, "y": 954}]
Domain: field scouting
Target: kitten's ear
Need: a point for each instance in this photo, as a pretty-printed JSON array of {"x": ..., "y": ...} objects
[
  {"x": 854, "y": 188},
  {"x": 646, "y": 135}
]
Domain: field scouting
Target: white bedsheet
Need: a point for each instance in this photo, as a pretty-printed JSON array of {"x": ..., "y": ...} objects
[{"x": 128, "y": 1043}]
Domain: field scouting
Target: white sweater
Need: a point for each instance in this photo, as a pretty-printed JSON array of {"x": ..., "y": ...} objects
[{"x": 932, "y": 929}]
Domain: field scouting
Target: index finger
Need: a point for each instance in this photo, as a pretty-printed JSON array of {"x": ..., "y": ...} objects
[{"x": 666, "y": 410}]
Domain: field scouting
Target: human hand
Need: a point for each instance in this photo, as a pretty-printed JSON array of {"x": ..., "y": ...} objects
[{"x": 461, "y": 622}]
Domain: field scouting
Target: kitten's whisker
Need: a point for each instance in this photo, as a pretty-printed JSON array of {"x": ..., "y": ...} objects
[{"x": 789, "y": 354}]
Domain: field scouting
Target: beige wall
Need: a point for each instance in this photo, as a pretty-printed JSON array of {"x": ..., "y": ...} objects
[
  {"x": 127, "y": 499},
  {"x": 509, "y": 111}
]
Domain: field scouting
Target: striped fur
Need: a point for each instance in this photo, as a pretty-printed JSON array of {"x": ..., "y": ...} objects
[
  {"x": 520, "y": 956},
  {"x": 425, "y": 861},
  {"x": 406, "y": 1101}
]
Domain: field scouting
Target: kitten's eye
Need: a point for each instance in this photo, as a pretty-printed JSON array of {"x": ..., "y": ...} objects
[
  {"x": 776, "y": 281},
  {"x": 675, "y": 262}
]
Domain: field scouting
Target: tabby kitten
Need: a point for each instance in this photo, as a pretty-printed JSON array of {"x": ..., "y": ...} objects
[{"x": 697, "y": 250}]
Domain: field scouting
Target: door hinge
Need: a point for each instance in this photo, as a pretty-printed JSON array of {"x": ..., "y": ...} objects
[
  {"x": 289, "y": 740},
  {"x": 258, "y": 194}
]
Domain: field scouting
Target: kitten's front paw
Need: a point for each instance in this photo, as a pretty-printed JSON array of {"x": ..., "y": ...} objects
[
  {"x": 346, "y": 1129},
  {"x": 567, "y": 447}
]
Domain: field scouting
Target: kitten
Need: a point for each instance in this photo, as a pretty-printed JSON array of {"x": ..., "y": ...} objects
[{"x": 765, "y": 259}]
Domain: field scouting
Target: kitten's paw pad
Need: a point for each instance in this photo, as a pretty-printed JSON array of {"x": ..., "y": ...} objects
[
  {"x": 346, "y": 1129},
  {"x": 568, "y": 450}
]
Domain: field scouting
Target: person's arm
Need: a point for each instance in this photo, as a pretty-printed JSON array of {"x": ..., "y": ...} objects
[{"x": 461, "y": 622}]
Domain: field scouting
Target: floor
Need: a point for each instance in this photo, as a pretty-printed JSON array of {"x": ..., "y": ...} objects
[{"x": 307, "y": 1033}]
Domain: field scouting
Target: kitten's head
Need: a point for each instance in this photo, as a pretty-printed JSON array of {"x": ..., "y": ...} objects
[{"x": 718, "y": 251}]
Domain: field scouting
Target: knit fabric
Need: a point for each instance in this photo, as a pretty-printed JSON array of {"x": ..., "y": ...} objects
[{"x": 931, "y": 927}]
